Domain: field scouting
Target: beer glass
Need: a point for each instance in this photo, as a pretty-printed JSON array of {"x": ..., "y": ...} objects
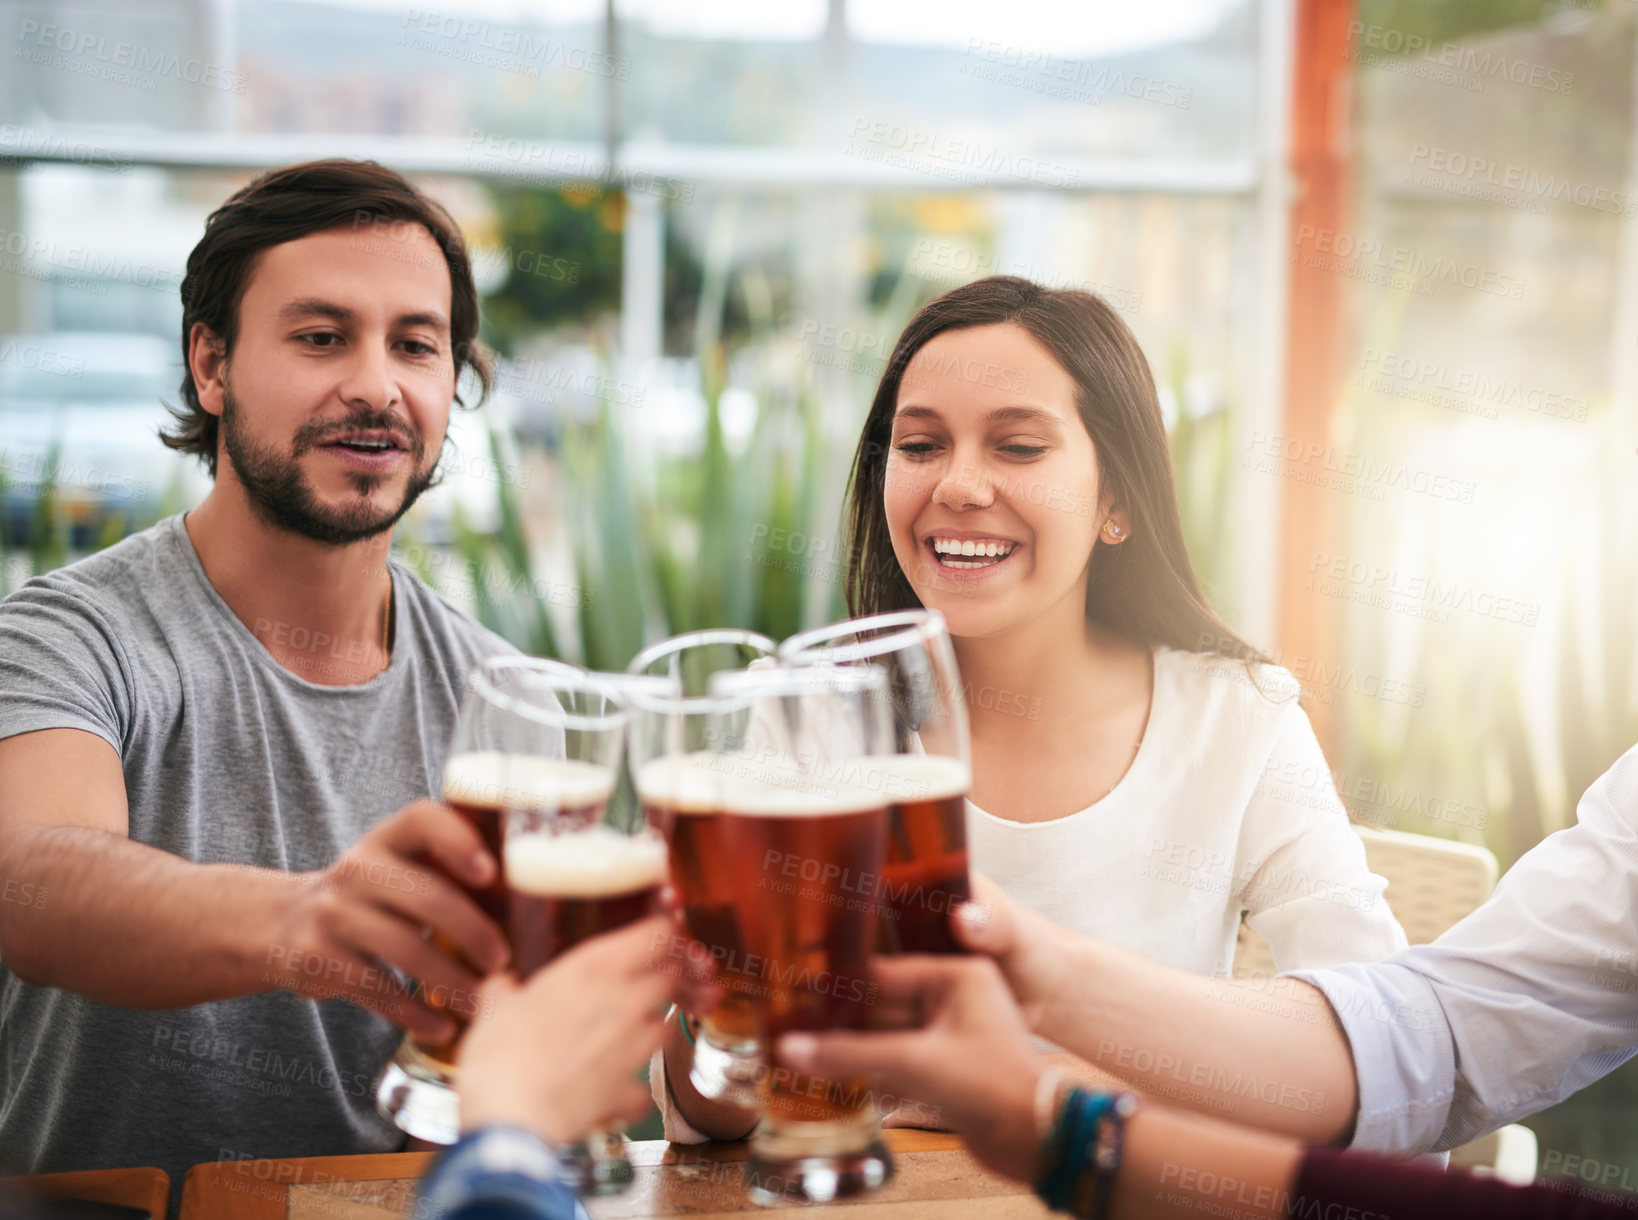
[
  {"x": 417, "y": 1089},
  {"x": 577, "y": 864},
  {"x": 667, "y": 744},
  {"x": 929, "y": 776},
  {"x": 805, "y": 836}
]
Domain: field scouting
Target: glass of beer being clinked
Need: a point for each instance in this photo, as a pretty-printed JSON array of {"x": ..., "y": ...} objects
[
  {"x": 668, "y": 747},
  {"x": 928, "y": 776},
  {"x": 417, "y": 1089},
  {"x": 805, "y": 837},
  {"x": 574, "y": 865}
]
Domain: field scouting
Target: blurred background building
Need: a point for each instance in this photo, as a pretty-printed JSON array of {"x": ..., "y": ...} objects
[{"x": 1382, "y": 256}]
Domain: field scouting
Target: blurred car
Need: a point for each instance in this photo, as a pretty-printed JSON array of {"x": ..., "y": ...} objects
[{"x": 82, "y": 411}]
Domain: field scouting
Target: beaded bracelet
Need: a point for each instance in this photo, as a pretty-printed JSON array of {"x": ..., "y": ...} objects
[
  {"x": 1097, "y": 1187},
  {"x": 1083, "y": 1153},
  {"x": 1065, "y": 1157}
]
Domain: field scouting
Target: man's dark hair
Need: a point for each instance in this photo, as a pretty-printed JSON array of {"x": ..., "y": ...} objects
[{"x": 283, "y": 205}]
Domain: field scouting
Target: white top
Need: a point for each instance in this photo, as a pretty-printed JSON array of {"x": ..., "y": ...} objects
[
  {"x": 1229, "y": 807},
  {"x": 1530, "y": 998}
]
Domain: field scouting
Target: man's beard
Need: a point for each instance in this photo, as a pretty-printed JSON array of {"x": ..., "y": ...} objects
[{"x": 280, "y": 494}]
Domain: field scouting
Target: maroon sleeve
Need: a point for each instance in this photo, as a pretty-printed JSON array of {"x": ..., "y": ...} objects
[{"x": 1336, "y": 1185}]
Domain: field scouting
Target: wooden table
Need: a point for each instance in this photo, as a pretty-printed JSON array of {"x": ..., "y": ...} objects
[
  {"x": 149, "y": 1189},
  {"x": 935, "y": 1178}
]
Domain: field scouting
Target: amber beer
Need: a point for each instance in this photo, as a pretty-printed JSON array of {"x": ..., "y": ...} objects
[
  {"x": 481, "y": 786},
  {"x": 567, "y": 887},
  {"x": 808, "y": 856},
  {"x": 678, "y": 796},
  {"x": 925, "y": 876},
  {"x": 473, "y": 788}
]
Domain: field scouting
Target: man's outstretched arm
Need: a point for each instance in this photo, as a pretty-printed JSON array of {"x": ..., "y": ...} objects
[{"x": 90, "y": 911}]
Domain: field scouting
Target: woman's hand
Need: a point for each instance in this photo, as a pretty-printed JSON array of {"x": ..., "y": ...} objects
[
  {"x": 1030, "y": 949},
  {"x": 559, "y": 1054},
  {"x": 959, "y": 1048}
]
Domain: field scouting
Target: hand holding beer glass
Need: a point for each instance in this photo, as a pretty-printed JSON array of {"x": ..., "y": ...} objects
[
  {"x": 417, "y": 1089},
  {"x": 928, "y": 777},
  {"x": 572, "y": 870},
  {"x": 805, "y": 837},
  {"x": 670, "y": 767}
]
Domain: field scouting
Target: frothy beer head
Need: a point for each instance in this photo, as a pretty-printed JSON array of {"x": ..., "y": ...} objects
[
  {"x": 850, "y": 786},
  {"x": 590, "y": 863},
  {"x": 525, "y": 781},
  {"x": 917, "y": 777},
  {"x": 749, "y": 788},
  {"x": 686, "y": 783}
]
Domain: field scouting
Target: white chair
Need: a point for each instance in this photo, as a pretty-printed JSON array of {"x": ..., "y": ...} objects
[{"x": 1432, "y": 884}]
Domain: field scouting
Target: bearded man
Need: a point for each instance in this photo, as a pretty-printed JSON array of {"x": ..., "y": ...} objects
[{"x": 216, "y": 736}]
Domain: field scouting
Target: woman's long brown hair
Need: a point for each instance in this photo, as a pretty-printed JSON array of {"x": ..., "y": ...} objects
[{"x": 1145, "y": 588}]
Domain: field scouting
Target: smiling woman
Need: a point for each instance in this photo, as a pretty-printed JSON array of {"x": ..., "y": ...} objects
[
  {"x": 1013, "y": 473},
  {"x": 1033, "y": 375}
]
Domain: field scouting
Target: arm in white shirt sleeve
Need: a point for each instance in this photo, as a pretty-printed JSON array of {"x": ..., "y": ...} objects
[
  {"x": 1305, "y": 883},
  {"x": 1530, "y": 998}
]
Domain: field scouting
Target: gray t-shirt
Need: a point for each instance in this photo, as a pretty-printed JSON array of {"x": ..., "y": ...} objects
[{"x": 228, "y": 758}]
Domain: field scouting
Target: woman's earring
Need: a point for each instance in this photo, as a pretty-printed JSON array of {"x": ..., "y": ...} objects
[{"x": 1114, "y": 531}]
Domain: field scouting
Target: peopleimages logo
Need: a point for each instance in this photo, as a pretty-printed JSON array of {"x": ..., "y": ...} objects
[
  {"x": 123, "y": 63},
  {"x": 953, "y": 158},
  {"x": 1388, "y": 588},
  {"x": 536, "y": 163},
  {"x": 1485, "y": 65},
  {"x": 1368, "y": 259},
  {"x": 950, "y": 263},
  {"x": 24, "y": 140},
  {"x": 1265, "y": 452},
  {"x": 1461, "y": 168},
  {"x": 488, "y": 45},
  {"x": 1075, "y": 80},
  {"x": 51, "y": 255},
  {"x": 1406, "y": 376},
  {"x": 39, "y": 359}
]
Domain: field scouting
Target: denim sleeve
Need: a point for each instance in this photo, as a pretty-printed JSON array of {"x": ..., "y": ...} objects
[{"x": 498, "y": 1173}]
